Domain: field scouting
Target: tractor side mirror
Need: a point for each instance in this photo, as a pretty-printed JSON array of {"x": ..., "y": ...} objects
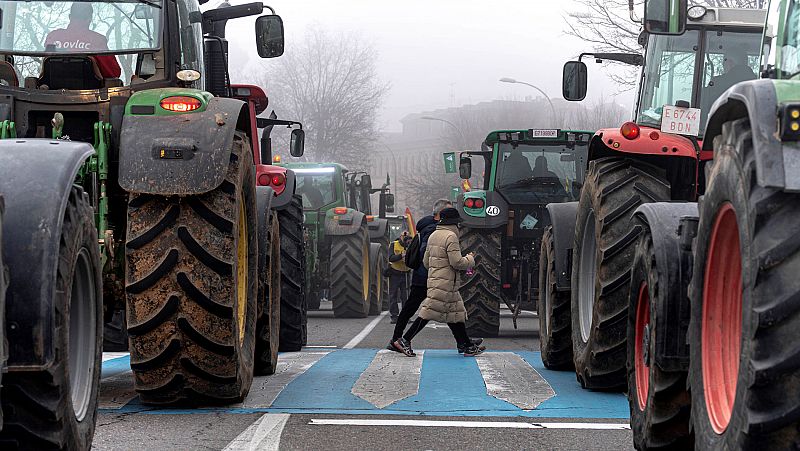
[
  {"x": 366, "y": 182},
  {"x": 269, "y": 36},
  {"x": 465, "y": 168},
  {"x": 297, "y": 143},
  {"x": 665, "y": 17},
  {"x": 574, "y": 81}
]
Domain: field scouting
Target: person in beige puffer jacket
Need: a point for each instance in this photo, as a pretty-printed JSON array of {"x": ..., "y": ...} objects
[{"x": 443, "y": 303}]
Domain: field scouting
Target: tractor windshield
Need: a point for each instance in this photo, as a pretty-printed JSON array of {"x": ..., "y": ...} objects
[
  {"x": 671, "y": 63},
  {"x": 317, "y": 186},
  {"x": 540, "y": 173}
]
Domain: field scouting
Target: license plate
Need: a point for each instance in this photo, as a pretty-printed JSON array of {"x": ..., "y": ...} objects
[{"x": 680, "y": 121}]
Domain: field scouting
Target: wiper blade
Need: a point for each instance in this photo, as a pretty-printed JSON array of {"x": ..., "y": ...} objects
[{"x": 150, "y": 3}]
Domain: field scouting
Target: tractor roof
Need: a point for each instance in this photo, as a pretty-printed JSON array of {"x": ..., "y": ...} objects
[
  {"x": 731, "y": 17},
  {"x": 535, "y": 135},
  {"x": 307, "y": 165}
]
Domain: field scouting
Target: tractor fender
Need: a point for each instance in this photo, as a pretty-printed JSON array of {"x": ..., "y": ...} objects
[
  {"x": 346, "y": 224},
  {"x": 36, "y": 177},
  {"x": 610, "y": 142},
  {"x": 563, "y": 217},
  {"x": 482, "y": 219},
  {"x": 284, "y": 198},
  {"x": 777, "y": 163},
  {"x": 673, "y": 313},
  {"x": 378, "y": 229},
  {"x": 198, "y": 148}
]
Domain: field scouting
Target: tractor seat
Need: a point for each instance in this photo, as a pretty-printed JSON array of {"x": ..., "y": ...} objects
[
  {"x": 70, "y": 72},
  {"x": 8, "y": 76}
]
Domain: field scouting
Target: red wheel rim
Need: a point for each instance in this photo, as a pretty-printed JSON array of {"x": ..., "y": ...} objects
[
  {"x": 722, "y": 318},
  {"x": 640, "y": 366}
]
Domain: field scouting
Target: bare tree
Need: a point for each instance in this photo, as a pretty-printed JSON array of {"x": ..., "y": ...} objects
[
  {"x": 606, "y": 26},
  {"x": 329, "y": 82}
]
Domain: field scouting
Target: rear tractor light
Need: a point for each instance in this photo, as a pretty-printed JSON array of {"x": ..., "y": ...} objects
[
  {"x": 370, "y": 218},
  {"x": 263, "y": 180},
  {"x": 340, "y": 211},
  {"x": 630, "y": 130},
  {"x": 180, "y": 104},
  {"x": 478, "y": 203},
  {"x": 278, "y": 180},
  {"x": 469, "y": 203}
]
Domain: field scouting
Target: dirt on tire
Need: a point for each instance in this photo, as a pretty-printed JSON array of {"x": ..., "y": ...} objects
[
  {"x": 192, "y": 288},
  {"x": 268, "y": 324},
  {"x": 293, "y": 277},
  {"x": 613, "y": 189}
]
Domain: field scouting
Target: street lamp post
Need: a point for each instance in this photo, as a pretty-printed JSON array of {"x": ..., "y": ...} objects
[
  {"x": 511, "y": 80},
  {"x": 431, "y": 118}
]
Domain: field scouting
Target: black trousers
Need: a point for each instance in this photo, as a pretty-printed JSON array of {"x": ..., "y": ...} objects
[
  {"x": 416, "y": 295},
  {"x": 397, "y": 288},
  {"x": 459, "y": 331}
]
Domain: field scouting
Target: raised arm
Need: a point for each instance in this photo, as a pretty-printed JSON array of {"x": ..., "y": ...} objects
[{"x": 458, "y": 261}]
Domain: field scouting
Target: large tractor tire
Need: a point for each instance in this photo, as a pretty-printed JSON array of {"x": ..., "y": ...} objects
[
  {"x": 192, "y": 288},
  {"x": 377, "y": 280},
  {"x": 745, "y": 316},
  {"x": 605, "y": 240},
  {"x": 350, "y": 274},
  {"x": 481, "y": 291},
  {"x": 3, "y": 289},
  {"x": 294, "y": 309},
  {"x": 659, "y": 400},
  {"x": 555, "y": 324},
  {"x": 56, "y": 408},
  {"x": 268, "y": 324}
]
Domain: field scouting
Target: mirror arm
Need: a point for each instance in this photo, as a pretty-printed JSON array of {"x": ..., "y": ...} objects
[
  {"x": 632, "y": 14},
  {"x": 633, "y": 59},
  {"x": 262, "y": 122}
]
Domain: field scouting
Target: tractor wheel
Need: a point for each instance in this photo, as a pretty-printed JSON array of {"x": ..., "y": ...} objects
[
  {"x": 192, "y": 288},
  {"x": 115, "y": 333},
  {"x": 350, "y": 275},
  {"x": 57, "y": 407},
  {"x": 270, "y": 313},
  {"x": 293, "y": 276},
  {"x": 481, "y": 292},
  {"x": 555, "y": 325},
  {"x": 3, "y": 288},
  {"x": 601, "y": 265},
  {"x": 659, "y": 401},
  {"x": 377, "y": 281},
  {"x": 743, "y": 375}
]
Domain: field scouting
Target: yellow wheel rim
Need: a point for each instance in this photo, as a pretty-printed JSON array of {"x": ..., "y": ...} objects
[
  {"x": 241, "y": 273},
  {"x": 380, "y": 284},
  {"x": 365, "y": 270}
]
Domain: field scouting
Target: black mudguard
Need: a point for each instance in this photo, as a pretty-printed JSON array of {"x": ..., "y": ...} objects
[
  {"x": 777, "y": 163},
  {"x": 378, "y": 229},
  {"x": 36, "y": 177},
  {"x": 563, "y": 217},
  {"x": 663, "y": 220},
  {"x": 347, "y": 224},
  {"x": 285, "y": 198},
  {"x": 493, "y": 199},
  {"x": 198, "y": 149}
]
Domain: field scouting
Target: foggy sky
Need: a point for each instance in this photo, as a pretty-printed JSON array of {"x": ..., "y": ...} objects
[{"x": 441, "y": 53}]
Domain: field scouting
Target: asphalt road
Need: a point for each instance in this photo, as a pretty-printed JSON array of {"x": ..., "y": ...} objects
[{"x": 343, "y": 392}]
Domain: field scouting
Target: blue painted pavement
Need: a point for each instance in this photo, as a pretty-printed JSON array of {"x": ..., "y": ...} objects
[{"x": 450, "y": 385}]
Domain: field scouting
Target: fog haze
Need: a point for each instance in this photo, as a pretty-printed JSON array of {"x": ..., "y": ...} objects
[{"x": 442, "y": 53}]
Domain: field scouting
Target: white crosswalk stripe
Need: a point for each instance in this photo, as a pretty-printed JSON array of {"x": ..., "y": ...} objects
[
  {"x": 389, "y": 378},
  {"x": 512, "y": 379},
  {"x": 290, "y": 365},
  {"x": 263, "y": 435},
  {"x": 113, "y": 355}
]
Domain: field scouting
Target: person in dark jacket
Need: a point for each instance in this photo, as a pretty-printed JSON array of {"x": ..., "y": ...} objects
[
  {"x": 419, "y": 278},
  {"x": 398, "y": 272}
]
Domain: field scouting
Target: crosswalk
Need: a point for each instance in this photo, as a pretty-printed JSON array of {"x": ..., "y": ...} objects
[{"x": 370, "y": 381}]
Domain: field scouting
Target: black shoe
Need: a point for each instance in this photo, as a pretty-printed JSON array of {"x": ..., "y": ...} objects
[
  {"x": 475, "y": 341},
  {"x": 391, "y": 347},
  {"x": 393, "y": 320},
  {"x": 474, "y": 350},
  {"x": 403, "y": 346}
]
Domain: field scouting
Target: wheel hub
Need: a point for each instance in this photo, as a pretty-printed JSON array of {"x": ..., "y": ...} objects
[
  {"x": 587, "y": 275},
  {"x": 82, "y": 332},
  {"x": 641, "y": 361},
  {"x": 721, "y": 331}
]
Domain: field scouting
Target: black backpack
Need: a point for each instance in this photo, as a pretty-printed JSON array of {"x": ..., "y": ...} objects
[{"x": 413, "y": 259}]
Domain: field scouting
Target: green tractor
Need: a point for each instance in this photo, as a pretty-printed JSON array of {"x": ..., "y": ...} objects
[
  {"x": 127, "y": 173},
  {"x": 503, "y": 222},
  {"x": 346, "y": 246}
]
